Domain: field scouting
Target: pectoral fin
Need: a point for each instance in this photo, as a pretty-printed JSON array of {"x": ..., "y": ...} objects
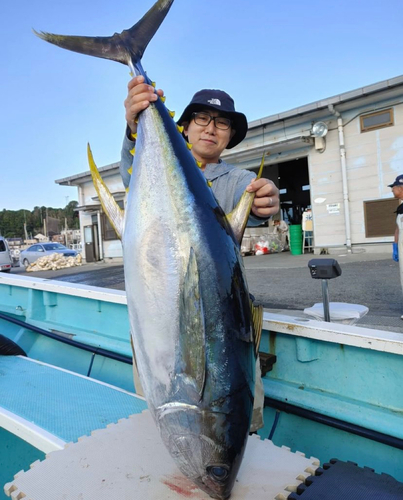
[
  {"x": 239, "y": 216},
  {"x": 257, "y": 319},
  {"x": 192, "y": 331},
  {"x": 114, "y": 213}
]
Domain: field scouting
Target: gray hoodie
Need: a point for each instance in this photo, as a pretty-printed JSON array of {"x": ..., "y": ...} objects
[{"x": 227, "y": 182}]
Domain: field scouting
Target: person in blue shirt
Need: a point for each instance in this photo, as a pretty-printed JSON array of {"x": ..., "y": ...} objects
[{"x": 397, "y": 190}]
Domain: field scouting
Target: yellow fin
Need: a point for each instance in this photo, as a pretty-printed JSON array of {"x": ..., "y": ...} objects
[
  {"x": 171, "y": 114},
  {"x": 179, "y": 128},
  {"x": 238, "y": 218},
  {"x": 130, "y": 170},
  {"x": 257, "y": 320},
  {"x": 127, "y": 189},
  {"x": 132, "y": 151},
  {"x": 133, "y": 136},
  {"x": 199, "y": 164},
  {"x": 153, "y": 84},
  {"x": 163, "y": 98},
  {"x": 111, "y": 208},
  {"x": 190, "y": 146},
  {"x": 209, "y": 183}
]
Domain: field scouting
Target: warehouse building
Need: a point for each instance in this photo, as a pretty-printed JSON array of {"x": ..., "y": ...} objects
[{"x": 335, "y": 156}]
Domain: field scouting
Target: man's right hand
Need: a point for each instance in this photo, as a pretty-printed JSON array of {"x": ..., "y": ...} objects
[{"x": 139, "y": 96}]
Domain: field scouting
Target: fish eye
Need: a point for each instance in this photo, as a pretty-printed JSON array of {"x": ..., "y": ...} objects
[{"x": 218, "y": 472}]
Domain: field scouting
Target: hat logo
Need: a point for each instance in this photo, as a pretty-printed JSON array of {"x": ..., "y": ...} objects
[{"x": 217, "y": 102}]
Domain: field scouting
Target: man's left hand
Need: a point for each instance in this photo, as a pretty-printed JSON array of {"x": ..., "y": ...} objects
[{"x": 266, "y": 202}]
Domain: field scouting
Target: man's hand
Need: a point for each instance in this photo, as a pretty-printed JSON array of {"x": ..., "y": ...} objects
[
  {"x": 266, "y": 201},
  {"x": 139, "y": 96}
]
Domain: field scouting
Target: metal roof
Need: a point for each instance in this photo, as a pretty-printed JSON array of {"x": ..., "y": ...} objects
[
  {"x": 335, "y": 100},
  {"x": 71, "y": 181}
]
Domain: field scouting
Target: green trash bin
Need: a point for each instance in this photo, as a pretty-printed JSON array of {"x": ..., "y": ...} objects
[{"x": 295, "y": 239}]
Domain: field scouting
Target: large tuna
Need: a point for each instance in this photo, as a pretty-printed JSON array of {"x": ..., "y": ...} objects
[{"x": 190, "y": 313}]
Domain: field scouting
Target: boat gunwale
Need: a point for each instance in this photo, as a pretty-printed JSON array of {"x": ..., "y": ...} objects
[{"x": 351, "y": 335}]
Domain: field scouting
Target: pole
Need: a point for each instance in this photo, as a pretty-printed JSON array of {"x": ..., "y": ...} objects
[{"x": 325, "y": 294}]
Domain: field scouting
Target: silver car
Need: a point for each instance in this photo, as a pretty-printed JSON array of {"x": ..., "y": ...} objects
[{"x": 32, "y": 253}]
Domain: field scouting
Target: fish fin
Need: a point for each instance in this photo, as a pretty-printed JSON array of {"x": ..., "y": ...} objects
[
  {"x": 192, "y": 328},
  {"x": 113, "y": 211},
  {"x": 136, "y": 377},
  {"x": 238, "y": 218},
  {"x": 257, "y": 320},
  {"x": 125, "y": 47}
]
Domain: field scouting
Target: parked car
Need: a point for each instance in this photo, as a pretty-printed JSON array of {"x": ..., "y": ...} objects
[
  {"x": 5, "y": 257},
  {"x": 32, "y": 253}
]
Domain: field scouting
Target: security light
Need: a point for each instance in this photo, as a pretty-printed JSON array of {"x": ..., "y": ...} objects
[{"x": 319, "y": 129}]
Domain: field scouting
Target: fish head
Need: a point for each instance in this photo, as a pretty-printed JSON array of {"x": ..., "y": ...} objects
[{"x": 206, "y": 446}]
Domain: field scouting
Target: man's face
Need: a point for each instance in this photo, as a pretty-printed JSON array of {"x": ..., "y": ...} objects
[
  {"x": 208, "y": 141},
  {"x": 398, "y": 192}
]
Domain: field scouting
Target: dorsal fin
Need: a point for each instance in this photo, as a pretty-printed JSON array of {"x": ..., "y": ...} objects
[
  {"x": 257, "y": 320},
  {"x": 239, "y": 216},
  {"x": 114, "y": 213}
]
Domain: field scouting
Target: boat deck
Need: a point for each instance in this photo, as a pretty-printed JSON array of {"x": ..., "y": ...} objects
[
  {"x": 128, "y": 460},
  {"x": 49, "y": 407}
]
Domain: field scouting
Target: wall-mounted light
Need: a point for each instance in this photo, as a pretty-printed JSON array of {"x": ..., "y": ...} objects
[{"x": 319, "y": 131}]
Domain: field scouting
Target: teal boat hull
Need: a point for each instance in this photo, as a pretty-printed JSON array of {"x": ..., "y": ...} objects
[{"x": 334, "y": 391}]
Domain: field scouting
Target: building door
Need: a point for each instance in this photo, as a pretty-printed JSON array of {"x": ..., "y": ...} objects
[
  {"x": 295, "y": 192},
  {"x": 95, "y": 239},
  {"x": 89, "y": 244}
]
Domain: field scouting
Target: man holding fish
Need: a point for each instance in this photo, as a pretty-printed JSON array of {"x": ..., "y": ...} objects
[
  {"x": 193, "y": 326},
  {"x": 211, "y": 125}
]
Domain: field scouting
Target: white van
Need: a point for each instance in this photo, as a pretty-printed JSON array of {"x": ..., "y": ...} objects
[{"x": 5, "y": 257}]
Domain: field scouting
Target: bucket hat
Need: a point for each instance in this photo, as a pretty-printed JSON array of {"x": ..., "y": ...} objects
[
  {"x": 220, "y": 101},
  {"x": 398, "y": 181}
]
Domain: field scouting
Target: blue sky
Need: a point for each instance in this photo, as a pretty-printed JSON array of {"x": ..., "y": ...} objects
[{"x": 270, "y": 56}]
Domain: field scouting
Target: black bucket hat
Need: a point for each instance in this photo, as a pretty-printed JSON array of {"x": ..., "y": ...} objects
[
  {"x": 220, "y": 101},
  {"x": 397, "y": 182}
]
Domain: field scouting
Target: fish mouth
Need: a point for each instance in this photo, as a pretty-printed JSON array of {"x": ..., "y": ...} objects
[{"x": 197, "y": 442}]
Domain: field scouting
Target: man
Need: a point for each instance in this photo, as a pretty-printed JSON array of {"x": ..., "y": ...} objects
[
  {"x": 209, "y": 137},
  {"x": 210, "y": 124},
  {"x": 397, "y": 190}
]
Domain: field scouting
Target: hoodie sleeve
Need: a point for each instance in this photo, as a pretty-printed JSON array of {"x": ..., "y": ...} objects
[{"x": 126, "y": 160}]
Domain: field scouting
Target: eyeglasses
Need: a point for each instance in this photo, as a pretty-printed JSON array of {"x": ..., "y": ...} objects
[{"x": 203, "y": 119}]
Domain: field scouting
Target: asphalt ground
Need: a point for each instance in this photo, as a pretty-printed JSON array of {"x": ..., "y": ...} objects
[{"x": 282, "y": 283}]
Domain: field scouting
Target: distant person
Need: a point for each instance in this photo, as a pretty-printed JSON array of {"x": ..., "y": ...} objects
[{"x": 397, "y": 190}]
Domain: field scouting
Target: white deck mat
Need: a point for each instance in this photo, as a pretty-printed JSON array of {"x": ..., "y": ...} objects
[{"x": 128, "y": 461}]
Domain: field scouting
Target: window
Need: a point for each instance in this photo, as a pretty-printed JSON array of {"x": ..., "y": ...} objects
[
  {"x": 108, "y": 232},
  {"x": 2, "y": 246},
  {"x": 380, "y": 217},
  {"x": 380, "y": 119}
]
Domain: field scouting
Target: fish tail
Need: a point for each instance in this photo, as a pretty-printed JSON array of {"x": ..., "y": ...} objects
[{"x": 126, "y": 47}]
